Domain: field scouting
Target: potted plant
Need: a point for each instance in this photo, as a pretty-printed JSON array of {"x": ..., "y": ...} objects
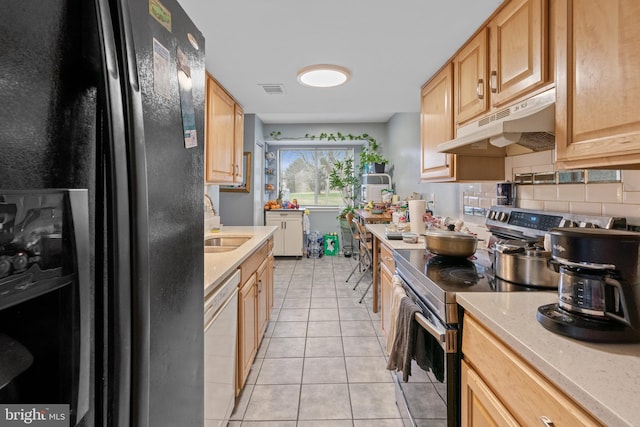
[
  {"x": 343, "y": 178},
  {"x": 371, "y": 161}
]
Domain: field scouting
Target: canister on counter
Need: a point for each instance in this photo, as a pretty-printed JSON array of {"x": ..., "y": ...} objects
[{"x": 505, "y": 194}]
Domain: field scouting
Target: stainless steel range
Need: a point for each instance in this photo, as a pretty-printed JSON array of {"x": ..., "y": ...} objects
[{"x": 433, "y": 281}]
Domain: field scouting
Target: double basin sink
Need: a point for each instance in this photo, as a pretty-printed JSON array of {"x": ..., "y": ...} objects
[{"x": 224, "y": 243}]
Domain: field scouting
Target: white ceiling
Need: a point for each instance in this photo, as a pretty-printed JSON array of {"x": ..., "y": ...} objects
[{"x": 390, "y": 47}]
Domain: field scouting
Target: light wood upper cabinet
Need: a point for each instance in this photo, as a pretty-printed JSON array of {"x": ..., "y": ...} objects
[
  {"x": 238, "y": 149},
  {"x": 518, "y": 50},
  {"x": 597, "y": 83},
  {"x": 224, "y": 136},
  {"x": 470, "y": 71},
  {"x": 436, "y": 125},
  {"x": 506, "y": 60}
]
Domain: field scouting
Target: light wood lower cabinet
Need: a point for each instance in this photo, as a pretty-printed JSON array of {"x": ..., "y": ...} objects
[
  {"x": 262, "y": 289},
  {"x": 499, "y": 388},
  {"x": 255, "y": 299},
  {"x": 387, "y": 270},
  {"x": 247, "y": 330},
  {"x": 480, "y": 407}
]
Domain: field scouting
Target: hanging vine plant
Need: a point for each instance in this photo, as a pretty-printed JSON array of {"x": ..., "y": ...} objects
[
  {"x": 369, "y": 154},
  {"x": 338, "y": 136}
]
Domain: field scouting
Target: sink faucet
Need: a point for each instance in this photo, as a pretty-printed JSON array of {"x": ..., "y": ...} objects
[{"x": 208, "y": 203}]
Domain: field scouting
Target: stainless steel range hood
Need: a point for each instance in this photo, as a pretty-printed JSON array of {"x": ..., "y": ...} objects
[{"x": 530, "y": 123}]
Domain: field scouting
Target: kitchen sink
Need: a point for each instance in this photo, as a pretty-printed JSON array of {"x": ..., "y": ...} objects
[
  {"x": 218, "y": 249},
  {"x": 224, "y": 243}
]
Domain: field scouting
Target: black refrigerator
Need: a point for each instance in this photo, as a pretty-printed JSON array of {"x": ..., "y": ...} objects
[{"x": 105, "y": 99}]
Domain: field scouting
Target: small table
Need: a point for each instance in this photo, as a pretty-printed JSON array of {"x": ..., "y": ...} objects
[
  {"x": 370, "y": 218},
  {"x": 377, "y": 231}
]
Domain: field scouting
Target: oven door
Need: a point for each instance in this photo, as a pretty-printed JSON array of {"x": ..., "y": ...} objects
[{"x": 425, "y": 400}]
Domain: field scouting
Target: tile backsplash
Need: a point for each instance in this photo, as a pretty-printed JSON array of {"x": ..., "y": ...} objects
[{"x": 607, "y": 199}]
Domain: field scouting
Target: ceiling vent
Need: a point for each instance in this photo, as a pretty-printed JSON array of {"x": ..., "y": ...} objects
[{"x": 273, "y": 88}]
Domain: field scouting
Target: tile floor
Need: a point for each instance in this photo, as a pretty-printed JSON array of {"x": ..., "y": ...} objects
[{"x": 321, "y": 362}]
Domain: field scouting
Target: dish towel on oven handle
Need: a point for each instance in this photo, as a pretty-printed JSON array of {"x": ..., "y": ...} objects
[
  {"x": 428, "y": 354},
  {"x": 397, "y": 293},
  {"x": 405, "y": 338}
]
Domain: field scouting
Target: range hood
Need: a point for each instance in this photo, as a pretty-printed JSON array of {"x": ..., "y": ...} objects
[{"x": 530, "y": 123}]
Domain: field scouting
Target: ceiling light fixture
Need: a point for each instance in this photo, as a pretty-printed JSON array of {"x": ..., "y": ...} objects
[{"x": 323, "y": 75}]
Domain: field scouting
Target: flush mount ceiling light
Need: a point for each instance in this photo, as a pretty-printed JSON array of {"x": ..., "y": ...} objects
[{"x": 323, "y": 75}]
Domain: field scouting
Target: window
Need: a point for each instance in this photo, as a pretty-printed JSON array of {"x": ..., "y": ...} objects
[{"x": 304, "y": 174}]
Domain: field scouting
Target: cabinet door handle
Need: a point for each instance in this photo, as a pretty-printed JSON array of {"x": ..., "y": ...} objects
[
  {"x": 493, "y": 82},
  {"x": 546, "y": 421},
  {"x": 388, "y": 258},
  {"x": 259, "y": 286},
  {"x": 480, "y": 88}
]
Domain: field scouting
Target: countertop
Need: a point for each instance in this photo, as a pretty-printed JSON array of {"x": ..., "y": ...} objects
[
  {"x": 217, "y": 266},
  {"x": 378, "y": 231},
  {"x": 300, "y": 210},
  {"x": 604, "y": 378}
]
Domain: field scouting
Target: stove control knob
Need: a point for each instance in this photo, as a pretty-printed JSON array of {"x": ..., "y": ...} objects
[
  {"x": 502, "y": 217},
  {"x": 588, "y": 225},
  {"x": 491, "y": 215},
  {"x": 568, "y": 223}
]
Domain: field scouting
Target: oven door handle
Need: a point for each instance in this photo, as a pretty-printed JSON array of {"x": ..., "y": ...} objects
[{"x": 439, "y": 334}]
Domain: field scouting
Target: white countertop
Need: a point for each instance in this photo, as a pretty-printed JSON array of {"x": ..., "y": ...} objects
[
  {"x": 604, "y": 378},
  {"x": 217, "y": 266},
  {"x": 378, "y": 231}
]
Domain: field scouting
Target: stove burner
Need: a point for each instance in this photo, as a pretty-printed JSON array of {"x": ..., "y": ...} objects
[
  {"x": 459, "y": 271},
  {"x": 465, "y": 276}
]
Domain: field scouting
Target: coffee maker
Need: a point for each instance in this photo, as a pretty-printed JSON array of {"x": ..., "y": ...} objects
[{"x": 599, "y": 285}]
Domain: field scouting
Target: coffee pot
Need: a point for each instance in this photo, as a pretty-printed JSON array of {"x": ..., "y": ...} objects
[{"x": 599, "y": 285}]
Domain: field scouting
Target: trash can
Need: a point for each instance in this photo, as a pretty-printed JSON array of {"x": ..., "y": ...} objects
[
  {"x": 314, "y": 245},
  {"x": 331, "y": 246}
]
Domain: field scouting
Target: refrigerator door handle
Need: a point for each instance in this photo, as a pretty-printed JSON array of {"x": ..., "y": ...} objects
[
  {"x": 118, "y": 212},
  {"x": 139, "y": 217}
]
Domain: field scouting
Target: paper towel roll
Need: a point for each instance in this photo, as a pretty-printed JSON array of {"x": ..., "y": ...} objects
[{"x": 417, "y": 208}]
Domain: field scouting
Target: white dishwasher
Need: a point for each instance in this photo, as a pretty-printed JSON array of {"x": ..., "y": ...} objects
[{"x": 220, "y": 329}]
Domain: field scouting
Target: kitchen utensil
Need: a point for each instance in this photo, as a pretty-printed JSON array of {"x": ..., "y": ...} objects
[
  {"x": 525, "y": 265},
  {"x": 410, "y": 237},
  {"x": 599, "y": 287},
  {"x": 451, "y": 243}
]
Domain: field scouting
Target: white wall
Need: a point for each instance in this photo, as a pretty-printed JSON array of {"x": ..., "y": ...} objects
[{"x": 404, "y": 152}]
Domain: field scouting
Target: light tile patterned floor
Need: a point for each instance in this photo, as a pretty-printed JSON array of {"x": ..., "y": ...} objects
[{"x": 321, "y": 362}]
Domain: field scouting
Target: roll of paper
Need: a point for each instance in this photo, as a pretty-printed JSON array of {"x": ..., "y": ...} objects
[{"x": 417, "y": 208}]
